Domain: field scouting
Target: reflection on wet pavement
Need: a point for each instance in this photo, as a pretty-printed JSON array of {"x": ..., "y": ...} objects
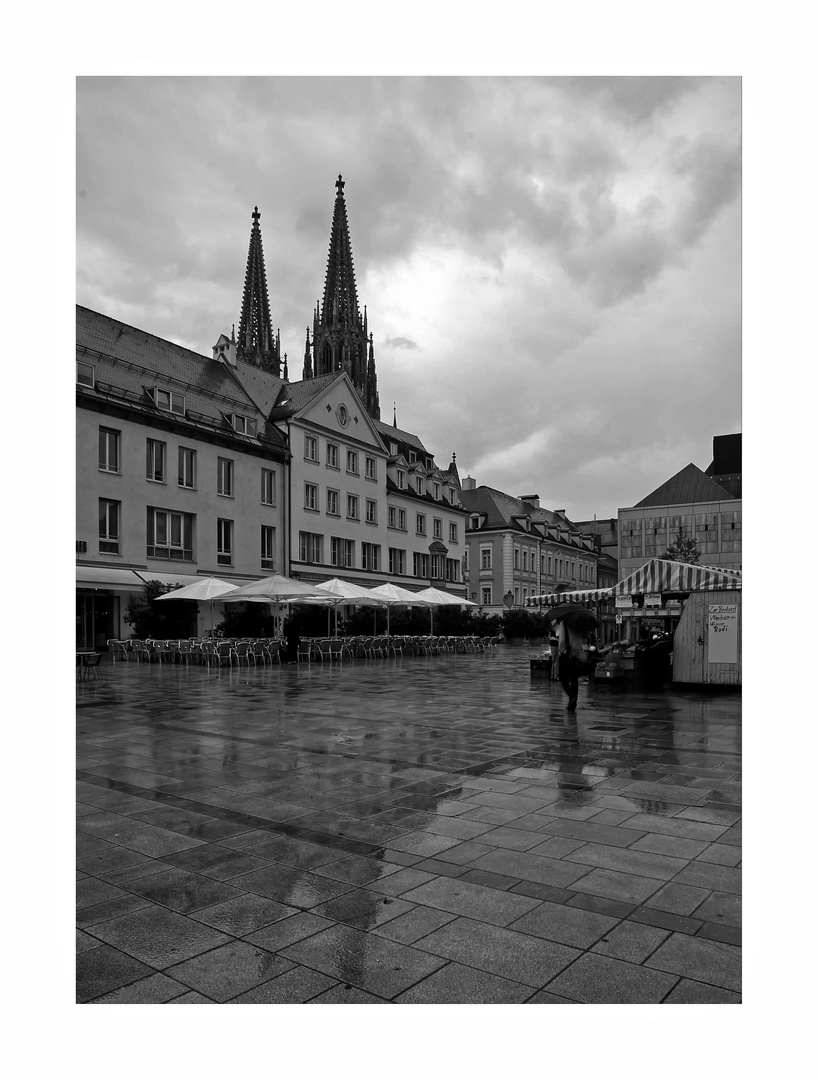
[{"x": 411, "y": 830}]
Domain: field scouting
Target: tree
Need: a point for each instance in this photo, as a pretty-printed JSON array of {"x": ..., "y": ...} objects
[
  {"x": 683, "y": 549},
  {"x": 170, "y": 619}
]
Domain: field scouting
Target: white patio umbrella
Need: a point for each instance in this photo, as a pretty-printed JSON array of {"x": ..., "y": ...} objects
[
  {"x": 394, "y": 596},
  {"x": 346, "y": 592},
  {"x": 276, "y": 589},
  {"x": 437, "y": 597},
  {"x": 209, "y": 588}
]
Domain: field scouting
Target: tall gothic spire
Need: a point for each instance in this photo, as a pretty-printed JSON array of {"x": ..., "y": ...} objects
[
  {"x": 340, "y": 338},
  {"x": 257, "y": 344}
]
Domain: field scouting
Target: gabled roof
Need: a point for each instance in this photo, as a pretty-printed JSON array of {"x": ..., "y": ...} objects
[
  {"x": 689, "y": 485},
  {"x": 389, "y": 433},
  {"x": 503, "y": 511},
  {"x": 126, "y": 360},
  {"x": 296, "y": 396}
]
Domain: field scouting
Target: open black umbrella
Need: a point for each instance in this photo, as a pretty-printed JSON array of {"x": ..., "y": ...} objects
[{"x": 574, "y": 616}]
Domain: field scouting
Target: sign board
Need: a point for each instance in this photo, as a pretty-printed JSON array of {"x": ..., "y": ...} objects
[
  {"x": 624, "y": 601},
  {"x": 618, "y": 620},
  {"x": 653, "y": 599},
  {"x": 722, "y": 634}
]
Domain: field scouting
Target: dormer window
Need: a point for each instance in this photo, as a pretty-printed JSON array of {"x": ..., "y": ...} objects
[
  {"x": 85, "y": 374},
  {"x": 401, "y": 478},
  {"x": 168, "y": 401},
  {"x": 244, "y": 425},
  {"x": 412, "y": 456},
  {"x": 437, "y": 492},
  {"x": 393, "y": 449},
  {"x": 474, "y": 522},
  {"x": 419, "y": 484}
]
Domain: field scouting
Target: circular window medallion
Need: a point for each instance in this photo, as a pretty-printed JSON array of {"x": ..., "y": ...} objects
[{"x": 342, "y": 415}]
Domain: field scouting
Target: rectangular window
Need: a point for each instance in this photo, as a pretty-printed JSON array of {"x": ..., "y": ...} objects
[
  {"x": 371, "y": 473},
  {"x": 401, "y": 478},
  {"x": 437, "y": 492},
  {"x": 420, "y": 565},
  {"x": 485, "y": 558},
  {"x": 525, "y": 560},
  {"x": 109, "y": 516},
  {"x": 335, "y": 551},
  {"x": 310, "y": 496},
  {"x": 155, "y": 468},
  {"x": 244, "y": 425},
  {"x": 268, "y": 547},
  {"x": 332, "y": 455},
  {"x": 187, "y": 467},
  {"x": 349, "y": 552},
  {"x": 268, "y": 487},
  {"x": 466, "y": 561},
  {"x": 402, "y": 520},
  {"x": 108, "y": 450},
  {"x": 224, "y": 542},
  {"x": 310, "y": 448},
  {"x": 397, "y": 561},
  {"x": 516, "y": 558},
  {"x": 549, "y": 566},
  {"x": 224, "y": 485},
  {"x": 170, "y": 535},
  {"x": 169, "y": 401},
  {"x": 420, "y": 524},
  {"x": 452, "y": 532},
  {"x": 352, "y": 507},
  {"x": 437, "y": 528},
  {"x": 486, "y": 594},
  {"x": 393, "y": 518},
  {"x": 85, "y": 374},
  {"x": 419, "y": 486},
  {"x": 452, "y": 570},
  {"x": 370, "y": 556},
  {"x": 332, "y": 502},
  {"x": 352, "y": 462},
  {"x": 309, "y": 547},
  {"x": 371, "y": 512},
  {"x": 436, "y": 574}
]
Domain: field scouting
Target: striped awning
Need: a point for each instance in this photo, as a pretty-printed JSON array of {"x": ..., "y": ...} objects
[
  {"x": 580, "y": 596},
  {"x": 662, "y": 575},
  {"x": 656, "y": 576}
]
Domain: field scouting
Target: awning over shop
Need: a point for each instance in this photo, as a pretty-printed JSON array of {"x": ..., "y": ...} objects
[
  {"x": 108, "y": 577},
  {"x": 656, "y": 576},
  {"x": 577, "y": 597},
  {"x": 168, "y": 579},
  {"x": 662, "y": 575}
]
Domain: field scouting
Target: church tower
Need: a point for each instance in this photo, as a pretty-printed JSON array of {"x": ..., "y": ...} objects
[
  {"x": 340, "y": 335},
  {"x": 256, "y": 343}
]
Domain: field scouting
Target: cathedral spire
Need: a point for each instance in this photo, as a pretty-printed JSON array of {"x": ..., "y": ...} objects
[
  {"x": 340, "y": 332},
  {"x": 257, "y": 344}
]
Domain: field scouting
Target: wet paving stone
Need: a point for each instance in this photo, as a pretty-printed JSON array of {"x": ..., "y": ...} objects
[
  {"x": 228, "y": 971},
  {"x": 384, "y": 968},
  {"x": 103, "y": 969},
  {"x": 468, "y": 787},
  {"x": 499, "y": 951},
  {"x": 158, "y": 937},
  {"x": 459, "y": 985},
  {"x": 243, "y": 915},
  {"x": 688, "y": 992},
  {"x": 699, "y": 959},
  {"x": 600, "y": 980}
]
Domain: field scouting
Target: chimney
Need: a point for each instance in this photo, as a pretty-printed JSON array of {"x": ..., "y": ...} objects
[
  {"x": 560, "y": 512},
  {"x": 534, "y": 500},
  {"x": 468, "y": 483},
  {"x": 224, "y": 351}
]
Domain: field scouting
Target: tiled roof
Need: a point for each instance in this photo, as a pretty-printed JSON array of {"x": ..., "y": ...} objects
[
  {"x": 501, "y": 510},
  {"x": 300, "y": 394},
  {"x": 387, "y": 432},
  {"x": 689, "y": 485},
  {"x": 127, "y": 359}
]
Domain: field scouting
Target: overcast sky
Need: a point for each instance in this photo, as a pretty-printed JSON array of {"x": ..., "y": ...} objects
[{"x": 551, "y": 266}]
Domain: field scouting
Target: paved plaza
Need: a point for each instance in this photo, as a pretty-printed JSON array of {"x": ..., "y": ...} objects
[{"x": 405, "y": 830}]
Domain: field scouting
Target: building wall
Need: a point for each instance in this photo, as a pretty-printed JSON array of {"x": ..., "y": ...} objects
[
  {"x": 646, "y": 532},
  {"x": 130, "y": 487}
]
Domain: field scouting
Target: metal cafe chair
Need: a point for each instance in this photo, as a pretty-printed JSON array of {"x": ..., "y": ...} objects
[
  {"x": 241, "y": 651},
  {"x": 224, "y": 653},
  {"x": 91, "y": 664},
  {"x": 208, "y": 651},
  {"x": 305, "y": 650}
]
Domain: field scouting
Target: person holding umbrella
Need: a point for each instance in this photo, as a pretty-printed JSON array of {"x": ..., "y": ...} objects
[{"x": 574, "y": 623}]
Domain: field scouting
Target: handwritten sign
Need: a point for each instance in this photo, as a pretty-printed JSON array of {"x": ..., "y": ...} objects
[
  {"x": 722, "y": 636},
  {"x": 623, "y": 601}
]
